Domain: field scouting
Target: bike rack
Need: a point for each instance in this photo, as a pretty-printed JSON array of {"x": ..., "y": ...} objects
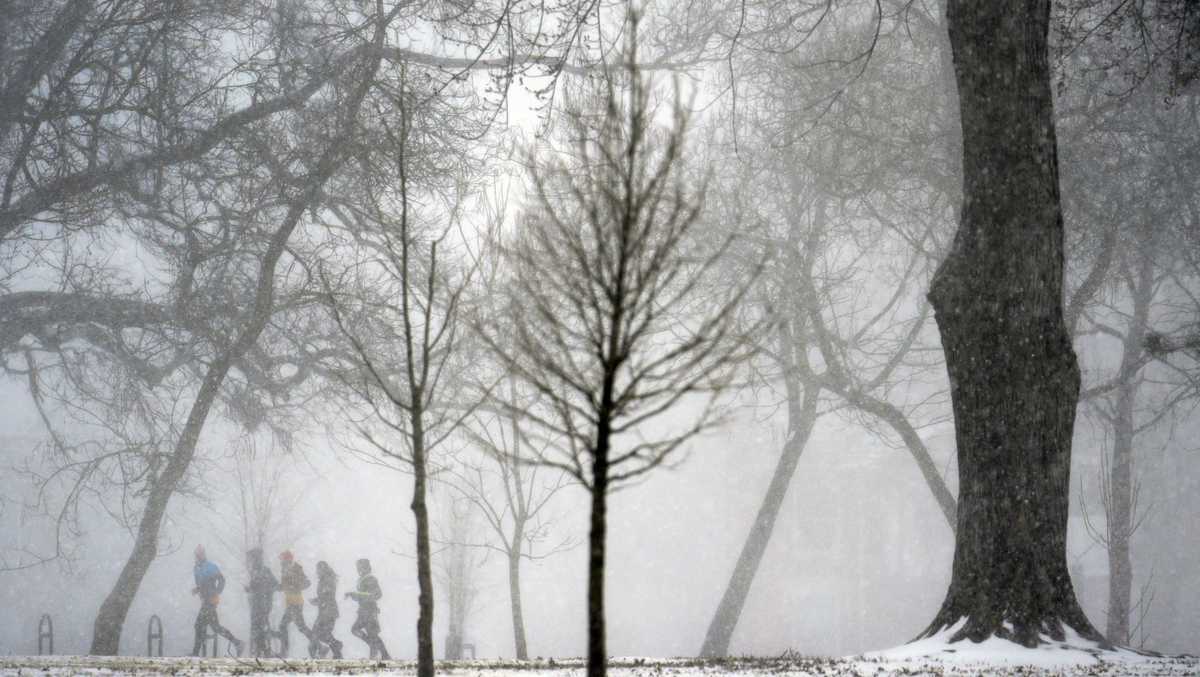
[
  {"x": 209, "y": 635},
  {"x": 46, "y": 634},
  {"x": 154, "y": 633}
]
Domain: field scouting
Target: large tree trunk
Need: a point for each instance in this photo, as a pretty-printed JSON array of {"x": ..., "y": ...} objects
[
  {"x": 998, "y": 298},
  {"x": 802, "y": 414}
]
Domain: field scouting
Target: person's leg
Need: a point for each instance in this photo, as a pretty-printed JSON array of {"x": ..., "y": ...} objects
[
  {"x": 284, "y": 622},
  {"x": 201, "y": 624},
  {"x": 359, "y": 630},
  {"x": 301, "y": 624},
  {"x": 376, "y": 640},
  {"x": 259, "y": 627},
  {"x": 222, "y": 631},
  {"x": 323, "y": 633},
  {"x": 217, "y": 627}
]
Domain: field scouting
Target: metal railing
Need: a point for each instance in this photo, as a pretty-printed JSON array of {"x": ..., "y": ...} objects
[
  {"x": 154, "y": 633},
  {"x": 210, "y": 635}
]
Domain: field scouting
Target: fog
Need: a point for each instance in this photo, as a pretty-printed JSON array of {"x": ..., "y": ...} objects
[
  {"x": 834, "y": 182},
  {"x": 859, "y": 559}
]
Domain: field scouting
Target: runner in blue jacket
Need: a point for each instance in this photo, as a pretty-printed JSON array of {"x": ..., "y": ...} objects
[{"x": 209, "y": 585}]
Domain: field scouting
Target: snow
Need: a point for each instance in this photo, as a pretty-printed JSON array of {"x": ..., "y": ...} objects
[
  {"x": 1072, "y": 655},
  {"x": 927, "y": 657}
]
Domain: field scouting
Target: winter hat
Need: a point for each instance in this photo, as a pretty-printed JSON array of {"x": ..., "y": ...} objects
[
  {"x": 286, "y": 556},
  {"x": 200, "y": 552}
]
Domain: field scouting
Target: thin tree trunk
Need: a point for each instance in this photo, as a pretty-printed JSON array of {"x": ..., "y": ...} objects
[
  {"x": 520, "y": 514},
  {"x": 1120, "y": 519},
  {"x": 998, "y": 299},
  {"x": 424, "y": 570},
  {"x": 898, "y": 422},
  {"x": 802, "y": 415},
  {"x": 1120, "y": 506},
  {"x": 597, "y": 651},
  {"x": 514, "y": 596},
  {"x": 110, "y": 620}
]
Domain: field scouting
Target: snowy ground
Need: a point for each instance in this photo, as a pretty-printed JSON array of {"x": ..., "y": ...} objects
[{"x": 909, "y": 660}]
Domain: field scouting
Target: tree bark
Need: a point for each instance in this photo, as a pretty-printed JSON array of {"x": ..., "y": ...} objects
[
  {"x": 424, "y": 569},
  {"x": 516, "y": 544},
  {"x": 597, "y": 651},
  {"x": 1120, "y": 518},
  {"x": 802, "y": 415},
  {"x": 1120, "y": 505},
  {"x": 998, "y": 300},
  {"x": 514, "y": 596}
]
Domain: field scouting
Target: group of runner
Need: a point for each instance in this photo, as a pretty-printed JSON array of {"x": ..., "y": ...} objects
[{"x": 292, "y": 581}]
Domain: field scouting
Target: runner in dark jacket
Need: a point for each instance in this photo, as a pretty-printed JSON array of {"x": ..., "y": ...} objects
[
  {"x": 366, "y": 624},
  {"x": 262, "y": 588},
  {"x": 293, "y": 581},
  {"x": 327, "y": 612},
  {"x": 209, "y": 585}
]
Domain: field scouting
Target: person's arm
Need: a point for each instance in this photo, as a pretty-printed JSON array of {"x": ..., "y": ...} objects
[{"x": 219, "y": 582}]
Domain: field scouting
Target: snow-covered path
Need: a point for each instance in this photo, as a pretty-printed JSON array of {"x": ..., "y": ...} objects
[{"x": 878, "y": 666}]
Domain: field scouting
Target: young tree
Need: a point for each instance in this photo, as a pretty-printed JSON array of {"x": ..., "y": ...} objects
[
  {"x": 399, "y": 303},
  {"x": 458, "y": 562},
  {"x": 611, "y": 326},
  {"x": 513, "y": 496},
  {"x": 262, "y": 501}
]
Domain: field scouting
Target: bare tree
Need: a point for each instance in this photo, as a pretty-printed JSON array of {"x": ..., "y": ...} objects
[
  {"x": 608, "y": 327},
  {"x": 112, "y": 613},
  {"x": 848, "y": 198},
  {"x": 399, "y": 303},
  {"x": 513, "y": 497},
  {"x": 262, "y": 499},
  {"x": 458, "y": 563},
  {"x": 126, "y": 122}
]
